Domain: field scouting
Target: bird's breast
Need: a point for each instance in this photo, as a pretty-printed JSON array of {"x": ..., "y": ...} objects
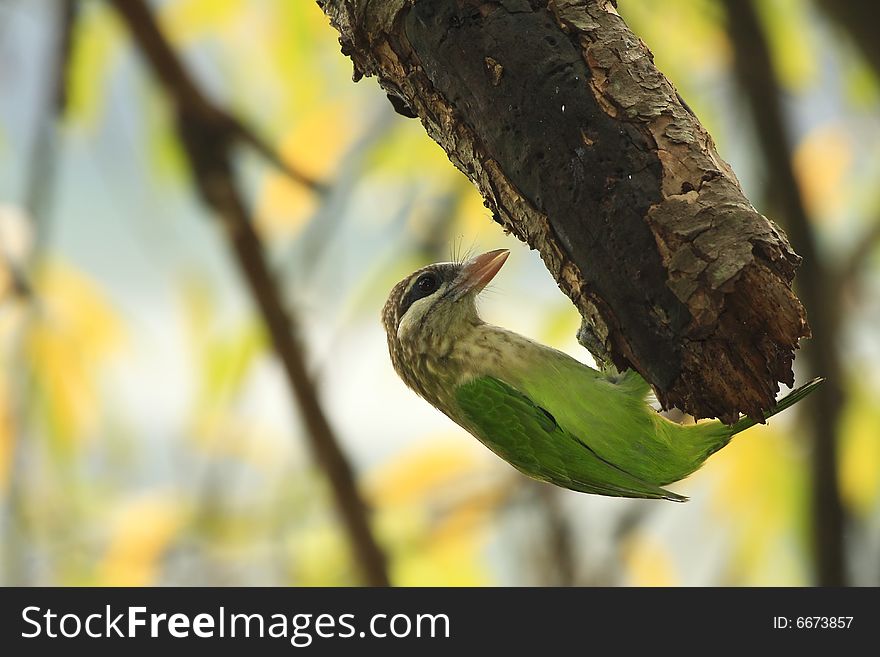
[{"x": 435, "y": 368}]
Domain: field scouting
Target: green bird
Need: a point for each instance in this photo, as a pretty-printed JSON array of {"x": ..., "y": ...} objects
[{"x": 548, "y": 415}]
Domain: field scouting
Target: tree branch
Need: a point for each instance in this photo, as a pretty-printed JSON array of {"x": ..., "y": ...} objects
[
  {"x": 41, "y": 179},
  {"x": 582, "y": 149},
  {"x": 755, "y": 72},
  {"x": 860, "y": 19},
  {"x": 863, "y": 250},
  {"x": 247, "y": 135},
  {"x": 207, "y": 134},
  {"x": 185, "y": 93},
  {"x": 560, "y": 565}
]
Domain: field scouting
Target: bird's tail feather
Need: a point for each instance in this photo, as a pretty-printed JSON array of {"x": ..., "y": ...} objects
[{"x": 790, "y": 399}]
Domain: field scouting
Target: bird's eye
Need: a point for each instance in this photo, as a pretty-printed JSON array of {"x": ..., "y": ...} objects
[{"x": 427, "y": 284}]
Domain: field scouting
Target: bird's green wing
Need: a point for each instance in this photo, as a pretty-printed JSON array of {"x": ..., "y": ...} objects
[
  {"x": 609, "y": 411},
  {"x": 529, "y": 438}
]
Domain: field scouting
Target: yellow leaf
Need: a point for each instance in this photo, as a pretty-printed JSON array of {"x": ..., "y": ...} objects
[
  {"x": 75, "y": 332},
  {"x": 314, "y": 146},
  {"x": 420, "y": 472},
  {"x": 405, "y": 144},
  {"x": 648, "y": 563},
  {"x": 443, "y": 563},
  {"x": 187, "y": 20},
  {"x": 320, "y": 556},
  {"x": 141, "y": 533},
  {"x": 860, "y": 453},
  {"x": 434, "y": 514},
  {"x": 822, "y": 162},
  {"x": 424, "y": 554},
  {"x": 469, "y": 517}
]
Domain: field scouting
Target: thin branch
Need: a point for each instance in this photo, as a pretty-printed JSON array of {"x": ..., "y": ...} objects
[
  {"x": 863, "y": 250},
  {"x": 208, "y": 134},
  {"x": 187, "y": 94},
  {"x": 247, "y": 135},
  {"x": 38, "y": 194},
  {"x": 755, "y": 73},
  {"x": 561, "y": 565},
  {"x": 860, "y": 19}
]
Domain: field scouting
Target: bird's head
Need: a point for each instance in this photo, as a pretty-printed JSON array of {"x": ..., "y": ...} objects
[{"x": 433, "y": 307}]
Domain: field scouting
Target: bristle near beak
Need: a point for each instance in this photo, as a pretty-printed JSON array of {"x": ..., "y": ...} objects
[{"x": 478, "y": 271}]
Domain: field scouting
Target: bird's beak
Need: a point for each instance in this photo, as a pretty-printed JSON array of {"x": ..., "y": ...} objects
[{"x": 478, "y": 271}]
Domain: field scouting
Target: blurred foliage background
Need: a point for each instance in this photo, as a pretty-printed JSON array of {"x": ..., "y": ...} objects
[{"x": 147, "y": 435}]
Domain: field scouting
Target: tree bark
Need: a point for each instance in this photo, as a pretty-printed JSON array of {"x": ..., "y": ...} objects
[{"x": 585, "y": 151}]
